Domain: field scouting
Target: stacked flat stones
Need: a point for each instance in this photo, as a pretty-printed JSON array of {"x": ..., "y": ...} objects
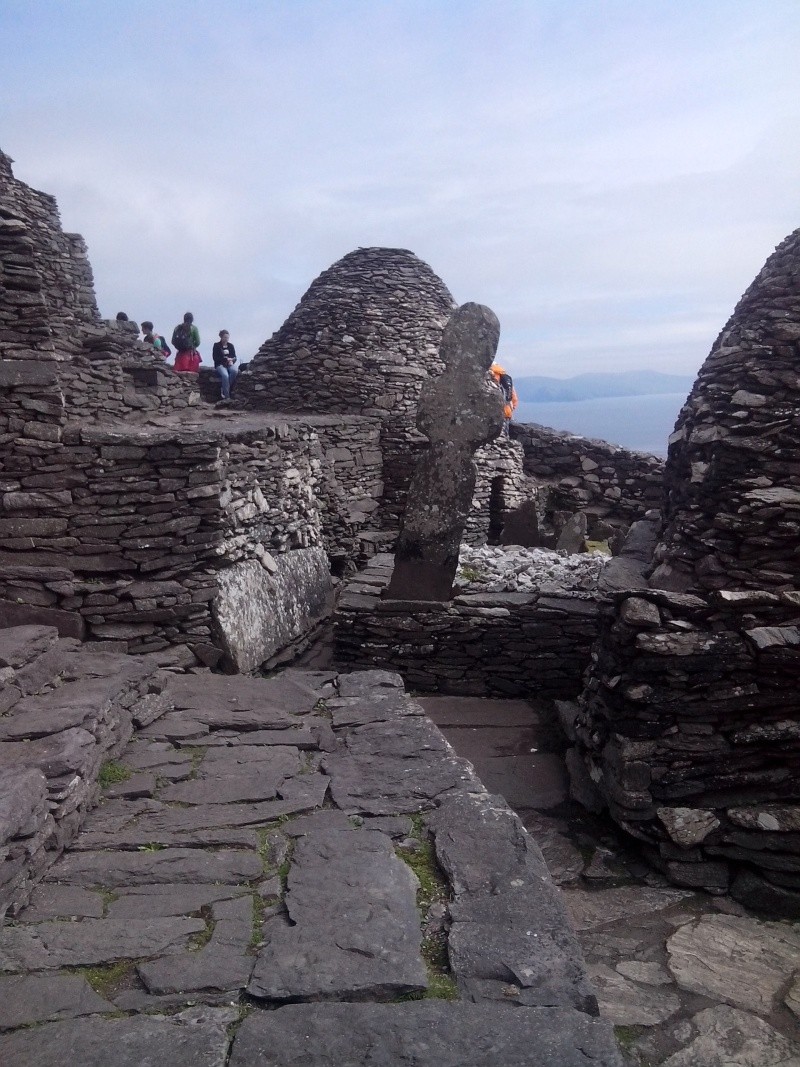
[
  {"x": 733, "y": 470},
  {"x": 513, "y": 644},
  {"x": 611, "y": 484},
  {"x": 64, "y": 711},
  {"x": 690, "y": 723},
  {"x": 45, "y": 278},
  {"x": 363, "y": 340},
  {"x": 58, "y": 359}
]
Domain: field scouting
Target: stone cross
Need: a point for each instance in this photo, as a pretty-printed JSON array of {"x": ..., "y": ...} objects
[{"x": 458, "y": 413}]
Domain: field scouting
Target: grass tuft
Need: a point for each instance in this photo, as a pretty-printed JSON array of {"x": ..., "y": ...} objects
[{"x": 111, "y": 773}]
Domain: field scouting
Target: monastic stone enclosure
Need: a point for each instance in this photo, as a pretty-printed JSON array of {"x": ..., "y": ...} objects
[
  {"x": 690, "y": 723},
  {"x": 493, "y": 644},
  {"x": 132, "y": 513}
]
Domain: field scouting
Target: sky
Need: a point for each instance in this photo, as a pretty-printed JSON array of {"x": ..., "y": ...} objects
[{"x": 607, "y": 175}]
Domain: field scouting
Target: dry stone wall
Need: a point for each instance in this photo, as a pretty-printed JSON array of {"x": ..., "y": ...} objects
[
  {"x": 46, "y": 281},
  {"x": 120, "y": 536},
  {"x": 494, "y": 644},
  {"x": 733, "y": 469},
  {"x": 610, "y": 484},
  {"x": 689, "y": 722},
  {"x": 692, "y": 732},
  {"x": 500, "y": 487}
]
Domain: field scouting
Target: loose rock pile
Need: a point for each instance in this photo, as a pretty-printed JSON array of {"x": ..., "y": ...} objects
[{"x": 515, "y": 570}]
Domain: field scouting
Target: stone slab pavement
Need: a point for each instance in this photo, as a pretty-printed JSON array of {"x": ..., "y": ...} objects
[
  {"x": 297, "y": 870},
  {"x": 687, "y": 979}
]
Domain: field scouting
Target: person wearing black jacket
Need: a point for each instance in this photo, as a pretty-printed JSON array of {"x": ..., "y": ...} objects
[{"x": 224, "y": 355}]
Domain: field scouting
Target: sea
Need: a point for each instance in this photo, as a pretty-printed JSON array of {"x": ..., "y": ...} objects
[{"x": 642, "y": 423}]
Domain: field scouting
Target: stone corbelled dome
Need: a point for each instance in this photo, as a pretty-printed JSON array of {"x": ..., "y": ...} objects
[
  {"x": 361, "y": 341},
  {"x": 733, "y": 472}
]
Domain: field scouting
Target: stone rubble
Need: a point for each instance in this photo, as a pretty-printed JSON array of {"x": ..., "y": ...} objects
[{"x": 510, "y": 569}]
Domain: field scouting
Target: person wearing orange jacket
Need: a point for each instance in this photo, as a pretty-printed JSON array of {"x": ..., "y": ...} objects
[{"x": 504, "y": 382}]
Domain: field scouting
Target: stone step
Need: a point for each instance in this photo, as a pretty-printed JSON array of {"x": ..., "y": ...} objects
[
  {"x": 65, "y": 709},
  {"x": 310, "y": 846}
]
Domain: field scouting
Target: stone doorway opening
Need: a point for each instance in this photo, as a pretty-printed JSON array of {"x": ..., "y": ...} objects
[{"x": 497, "y": 509}]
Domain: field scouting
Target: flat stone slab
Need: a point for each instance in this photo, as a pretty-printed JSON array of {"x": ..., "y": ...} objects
[
  {"x": 239, "y": 837},
  {"x": 92, "y": 941},
  {"x": 301, "y": 794},
  {"x": 20, "y": 644},
  {"x": 356, "y": 930},
  {"x": 374, "y": 707},
  {"x": 392, "y": 768},
  {"x": 258, "y": 782},
  {"x": 427, "y": 1033},
  {"x": 509, "y": 936},
  {"x": 223, "y": 964},
  {"x": 109, "y": 869},
  {"x": 50, "y": 901},
  {"x": 713, "y": 955},
  {"x": 625, "y": 1003},
  {"x": 730, "y": 1038},
  {"x": 589, "y": 911},
  {"x": 37, "y": 998},
  {"x": 292, "y": 691},
  {"x": 194, "y": 1038},
  {"x": 169, "y": 900}
]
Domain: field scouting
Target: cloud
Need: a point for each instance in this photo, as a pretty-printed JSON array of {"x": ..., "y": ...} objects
[{"x": 608, "y": 177}]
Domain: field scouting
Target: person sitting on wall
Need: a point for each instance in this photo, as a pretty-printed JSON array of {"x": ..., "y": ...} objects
[
  {"x": 186, "y": 338},
  {"x": 505, "y": 383},
  {"x": 225, "y": 363},
  {"x": 156, "y": 340}
]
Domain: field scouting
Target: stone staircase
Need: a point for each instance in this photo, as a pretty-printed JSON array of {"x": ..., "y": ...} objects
[
  {"x": 65, "y": 709},
  {"x": 284, "y": 871}
]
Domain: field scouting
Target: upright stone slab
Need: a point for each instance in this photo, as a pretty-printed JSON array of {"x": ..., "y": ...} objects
[{"x": 459, "y": 413}]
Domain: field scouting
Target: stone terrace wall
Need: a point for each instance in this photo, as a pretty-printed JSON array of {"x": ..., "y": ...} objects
[
  {"x": 120, "y": 536},
  {"x": 575, "y": 473},
  {"x": 493, "y": 644},
  {"x": 691, "y": 727},
  {"x": 363, "y": 340},
  {"x": 733, "y": 469}
]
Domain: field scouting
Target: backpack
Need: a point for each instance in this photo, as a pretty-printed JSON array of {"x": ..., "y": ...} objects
[
  {"x": 182, "y": 337},
  {"x": 163, "y": 347},
  {"x": 506, "y": 383}
]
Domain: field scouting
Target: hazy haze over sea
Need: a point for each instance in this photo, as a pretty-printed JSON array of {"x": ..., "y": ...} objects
[{"x": 642, "y": 423}]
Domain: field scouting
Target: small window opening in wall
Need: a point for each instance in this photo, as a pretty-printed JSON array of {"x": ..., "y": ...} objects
[
  {"x": 497, "y": 510},
  {"x": 338, "y": 566}
]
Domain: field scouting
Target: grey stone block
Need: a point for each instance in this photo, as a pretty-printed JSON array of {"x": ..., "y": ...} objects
[
  {"x": 355, "y": 927},
  {"x": 195, "y": 1038},
  {"x": 424, "y": 1034}
]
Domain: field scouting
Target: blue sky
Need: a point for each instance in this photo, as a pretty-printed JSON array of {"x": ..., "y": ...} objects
[{"x": 607, "y": 175}]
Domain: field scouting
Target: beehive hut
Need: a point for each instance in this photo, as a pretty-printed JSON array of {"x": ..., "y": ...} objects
[
  {"x": 362, "y": 341},
  {"x": 690, "y": 723},
  {"x": 733, "y": 470}
]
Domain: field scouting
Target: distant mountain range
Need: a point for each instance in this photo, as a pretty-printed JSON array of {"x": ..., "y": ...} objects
[{"x": 539, "y": 389}]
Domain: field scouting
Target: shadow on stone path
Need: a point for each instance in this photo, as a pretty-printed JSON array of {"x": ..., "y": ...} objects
[
  {"x": 688, "y": 980},
  {"x": 296, "y": 870}
]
